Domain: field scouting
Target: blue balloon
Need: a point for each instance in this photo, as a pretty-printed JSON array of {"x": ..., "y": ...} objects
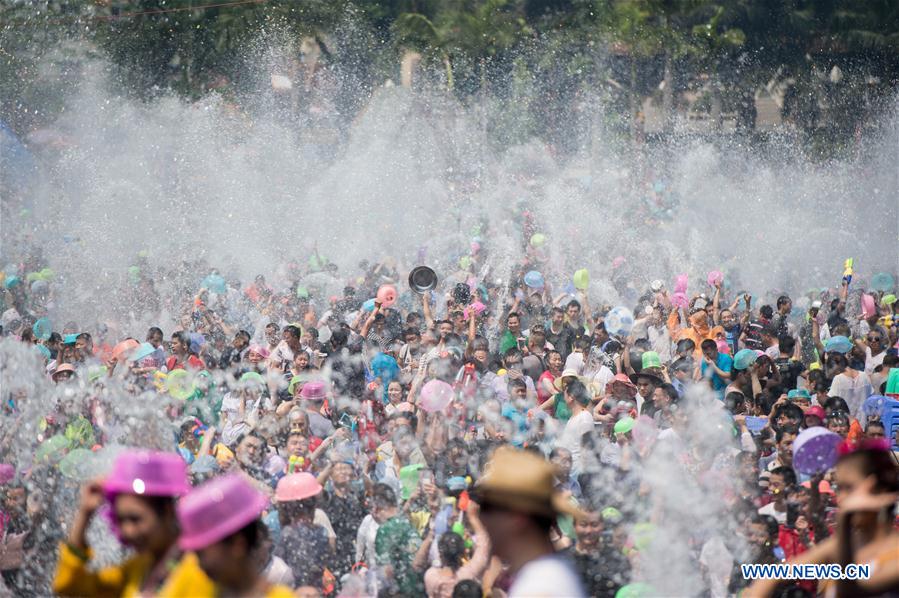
[
  {"x": 42, "y": 329},
  {"x": 534, "y": 279},
  {"x": 216, "y": 284}
]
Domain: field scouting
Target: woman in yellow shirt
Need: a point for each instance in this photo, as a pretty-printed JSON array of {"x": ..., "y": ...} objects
[
  {"x": 141, "y": 491},
  {"x": 220, "y": 521}
]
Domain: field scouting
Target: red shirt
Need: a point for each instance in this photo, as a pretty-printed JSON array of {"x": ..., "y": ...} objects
[{"x": 193, "y": 362}]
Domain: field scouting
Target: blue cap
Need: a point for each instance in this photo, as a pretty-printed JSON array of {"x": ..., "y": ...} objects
[
  {"x": 744, "y": 358},
  {"x": 838, "y": 344},
  {"x": 797, "y": 393}
]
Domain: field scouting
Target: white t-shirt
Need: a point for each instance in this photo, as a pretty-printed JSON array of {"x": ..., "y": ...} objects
[
  {"x": 549, "y": 575},
  {"x": 572, "y": 435},
  {"x": 872, "y": 361},
  {"x": 770, "y": 510},
  {"x": 853, "y": 390},
  {"x": 365, "y": 541}
]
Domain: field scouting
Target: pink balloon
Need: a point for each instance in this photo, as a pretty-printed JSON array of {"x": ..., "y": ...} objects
[
  {"x": 715, "y": 277},
  {"x": 618, "y": 261},
  {"x": 680, "y": 283},
  {"x": 478, "y": 308},
  {"x": 680, "y": 300},
  {"x": 387, "y": 295},
  {"x": 723, "y": 347},
  {"x": 436, "y": 395},
  {"x": 869, "y": 309}
]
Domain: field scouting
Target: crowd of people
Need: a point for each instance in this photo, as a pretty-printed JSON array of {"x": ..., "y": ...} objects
[{"x": 469, "y": 438}]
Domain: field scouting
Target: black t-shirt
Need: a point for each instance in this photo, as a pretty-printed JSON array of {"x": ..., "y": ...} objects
[
  {"x": 561, "y": 340},
  {"x": 602, "y": 573},
  {"x": 306, "y": 551},
  {"x": 789, "y": 370},
  {"x": 345, "y": 513}
]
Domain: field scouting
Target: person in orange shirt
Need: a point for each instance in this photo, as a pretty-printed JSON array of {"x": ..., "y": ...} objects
[{"x": 697, "y": 328}]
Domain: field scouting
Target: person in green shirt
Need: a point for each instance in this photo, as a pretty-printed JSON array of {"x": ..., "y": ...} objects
[
  {"x": 400, "y": 551},
  {"x": 512, "y": 337}
]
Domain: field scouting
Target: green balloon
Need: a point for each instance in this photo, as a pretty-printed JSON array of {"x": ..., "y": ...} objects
[
  {"x": 52, "y": 449},
  {"x": 77, "y": 464}
]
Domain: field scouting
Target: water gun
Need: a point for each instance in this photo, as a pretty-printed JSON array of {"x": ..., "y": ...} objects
[
  {"x": 847, "y": 271},
  {"x": 295, "y": 464}
]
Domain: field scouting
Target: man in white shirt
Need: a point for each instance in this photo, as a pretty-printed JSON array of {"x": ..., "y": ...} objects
[
  {"x": 519, "y": 506},
  {"x": 580, "y": 423}
]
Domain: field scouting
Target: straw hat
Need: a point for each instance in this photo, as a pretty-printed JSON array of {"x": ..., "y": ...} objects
[
  {"x": 521, "y": 481},
  {"x": 562, "y": 379}
]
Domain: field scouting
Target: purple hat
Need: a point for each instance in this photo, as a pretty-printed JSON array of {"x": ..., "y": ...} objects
[
  {"x": 7, "y": 472},
  {"x": 815, "y": 450},
  {"x": 314, "y": 390},
  {"x": 218, "y": 509},
  {"x": 147, "y": 473}
]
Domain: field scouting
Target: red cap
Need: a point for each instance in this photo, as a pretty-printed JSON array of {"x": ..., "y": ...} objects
[{"x": 817, "y": 411}]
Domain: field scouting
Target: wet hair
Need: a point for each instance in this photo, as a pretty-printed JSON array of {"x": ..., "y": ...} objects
[
  {"x": 294, "y": 510},
  {"x": 451, "y": 548},
  {"x": 735, "y": 402},
  {"x": 790, "y": 410},
  {"x": 397, "y": 415},
  {"x": 382, "y": 495},
  {"x": 788, "y": 429},
  {"x": 670, "y": 391},
  {"x": 183, "y": 338},
  {"x": 411, "y": 332},
  {"x": 578, "y": 392},
  {"x": 682, "y": 364},
  {"x": 517, "y": 383},
  {"x": 786, "y": 343},
  {"x": 467, "y": 588},
  {"x": 339, "y": 338},
  {"x": 685, "y": 344},
  {"x": 782, "y": 300},
  {"x": 835, "y": 404},
  {"x": 294, "y": 331},
  {"x": 513, "y": 352},
  {"x": 815, "y": 377},
  {"x": 787, "y": 473},
  {"x": 708, "y": 344},
  {"x": 549, "y": 354},
  {"x": 557, "y": 310},
  {"x": 272, "y": 326},
  {"x": 878, "y": 463},
  {"x": 770, "y": 524},
  {"x": 513, "y": 314},
  {"x": 766, "y": 311},
  {"x": 874, "y": 423},
  {"x": 837, "y": 416},
  {"x": 85, "y": 336},
  {"x": 573, "y": 303},
  {"x": 244, "y": 335}
]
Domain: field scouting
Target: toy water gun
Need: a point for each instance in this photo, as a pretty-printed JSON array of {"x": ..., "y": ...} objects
[
  {"x": 847, "y": 270},
  {"x": 295, "y": 464}
]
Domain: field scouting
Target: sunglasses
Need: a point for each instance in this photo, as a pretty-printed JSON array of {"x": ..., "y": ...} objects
[{"x": 874, "y": 339}]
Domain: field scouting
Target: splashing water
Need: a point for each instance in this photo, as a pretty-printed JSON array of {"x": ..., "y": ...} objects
[{"x": 247, "y": 191}]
